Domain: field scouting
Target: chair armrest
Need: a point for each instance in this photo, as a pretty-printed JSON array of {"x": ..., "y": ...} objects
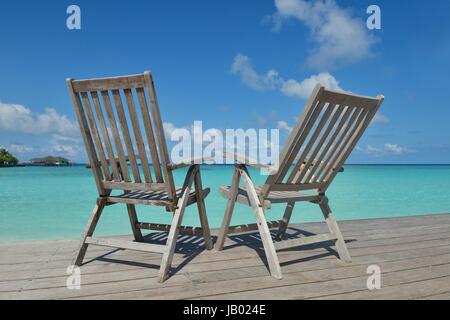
[
  {"x": 189, "y": 162},
  {"x": 242, "y": 159}
]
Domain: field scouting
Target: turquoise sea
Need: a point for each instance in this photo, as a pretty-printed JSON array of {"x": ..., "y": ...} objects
[{"x": 55, "y": 202}]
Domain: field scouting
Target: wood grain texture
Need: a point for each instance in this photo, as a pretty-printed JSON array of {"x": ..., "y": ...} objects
[{"x": 412, "y": 252}]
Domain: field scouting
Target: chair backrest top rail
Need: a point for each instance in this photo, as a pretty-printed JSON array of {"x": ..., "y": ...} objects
[{"x": 109, "y": 83}]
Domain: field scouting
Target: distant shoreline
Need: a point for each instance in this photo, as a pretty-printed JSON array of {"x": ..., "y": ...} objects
[
  {"x": 230, "y": 165},
  {"x": 41, "y": 165}
]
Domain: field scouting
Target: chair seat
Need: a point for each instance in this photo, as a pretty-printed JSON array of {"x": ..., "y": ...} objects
[
  {"x": 273, "y": 197},
  {"x": 155, "y": 198}
]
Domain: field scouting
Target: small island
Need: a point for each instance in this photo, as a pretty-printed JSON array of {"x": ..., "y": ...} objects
[
  {"x": 8, "y": 160},
  {"x": 50, "y": 161}
]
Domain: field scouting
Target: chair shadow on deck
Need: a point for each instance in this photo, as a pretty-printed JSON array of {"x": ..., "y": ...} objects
[
  {"x": 187, "y": 245},
  {"x": 253, "y": 241}
]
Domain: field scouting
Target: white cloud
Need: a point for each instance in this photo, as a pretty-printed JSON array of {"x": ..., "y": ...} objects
[
  {"x": 376, "y": 152},
  {"x": 65, "y": 146},
  {"x": 20, "y": 148},
  {"x": 196, "y": 131},
  {"x": 338, "y": 35},
  {"x": 284, "y": 126},
  {"x": 303, "y": 89},
  {"x": 271, "y": 80},
  {"x": 386, "y": 149},
  {"x": 25, "y": 152},
  {"x": 65, "y": 150},
  {"x": 242, "y": 66},
  {"x": 380, "y": 118},
  {"x": 64, "y": 137},
  {"x": 17, "y": 118},
  {"x": 169, "y": 127},
  {"x": 396, "y": 149}
]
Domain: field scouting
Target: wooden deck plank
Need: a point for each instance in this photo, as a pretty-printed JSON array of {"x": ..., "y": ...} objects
[
  {"x": 442, "y": 296},
  {"x": 18, "y": 256},
  {"x": 198, "y": 272},
  {"x": 241, "y": 286},
  {"x": 413, "y": 253},
  {"x": 218, "y": 267},
  {"x": 59, "y": 266},
  {"x": 397, "y": 286},
  {"x": 435, "y": 281},
  {"x": 290, "y": 287},
  {"x": 205, "y": 274},
  {"x": 348, "y": 227},
  {"x": 68, "y": 255}
]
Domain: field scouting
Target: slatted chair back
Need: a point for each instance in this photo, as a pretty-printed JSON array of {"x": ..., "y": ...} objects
[
  {"x": 326, "y": 133},
  {"x": 122, "y": 136}
]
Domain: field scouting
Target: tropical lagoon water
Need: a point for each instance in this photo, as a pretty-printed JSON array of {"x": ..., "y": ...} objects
[{"x": 39, "y": 203}]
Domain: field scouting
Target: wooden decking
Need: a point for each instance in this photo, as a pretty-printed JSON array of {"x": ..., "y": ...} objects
[{"x": 412, "y": 252}]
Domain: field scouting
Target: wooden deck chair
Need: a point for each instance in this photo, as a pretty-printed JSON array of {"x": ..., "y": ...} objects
[
  {"x": 326, "y": 133},
  {"x": 121, "y": 146}
]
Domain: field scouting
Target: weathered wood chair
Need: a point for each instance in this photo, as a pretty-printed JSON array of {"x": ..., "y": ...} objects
[
  {"x": 111, "y": 148},
  {"x": 326, "y": 133}
]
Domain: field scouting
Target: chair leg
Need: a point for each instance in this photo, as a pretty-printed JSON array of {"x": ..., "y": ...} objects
[
  {"x": 285, "y": 222},
  {"x": 89, "y": 231},
  {"x": 133, "y": 221},
  {"x": 172, "y": 237},
  {"x": 234, "y": 188},
  {"x": 269, "y": 248},
  {"x": 341, "y": 247},
  {"x": 202, "y": 211}
]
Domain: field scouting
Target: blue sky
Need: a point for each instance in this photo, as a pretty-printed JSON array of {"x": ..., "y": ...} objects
[{"x": 232, "y": 64}]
